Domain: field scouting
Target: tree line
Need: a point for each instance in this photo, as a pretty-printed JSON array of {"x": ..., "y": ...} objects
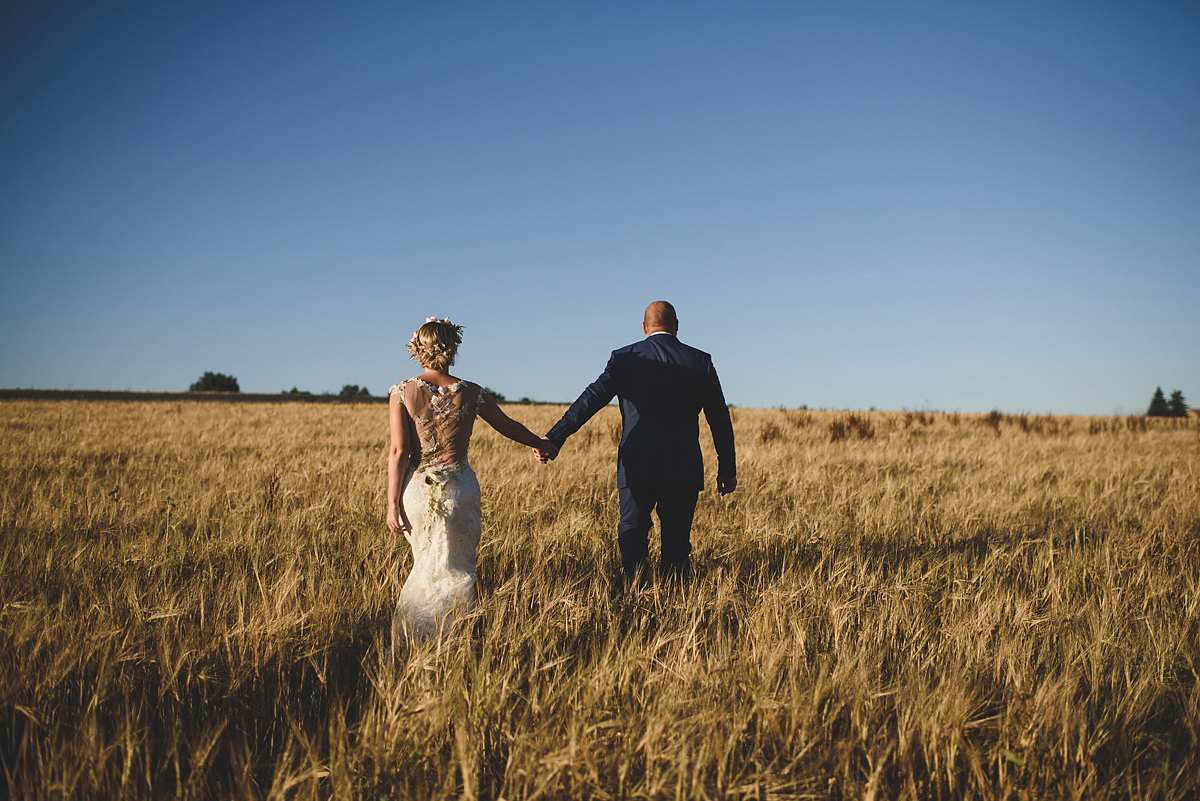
[
  {"x": 219, "y": 382},
  {"x": 1160, "y": 404}
]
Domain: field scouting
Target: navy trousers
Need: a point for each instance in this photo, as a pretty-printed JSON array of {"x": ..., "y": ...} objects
[{"x": 676, "y": 506}]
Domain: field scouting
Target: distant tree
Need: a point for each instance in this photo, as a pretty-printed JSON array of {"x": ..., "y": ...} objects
[
  {"x": 294, "y": 391},
  {"x": 496, "y": 396},
  {"x": 1177, "y": 406},
  {"x": 1158, "y": 405},
  {"x": 215, "y": 382},
  {"x": 352, "y": 391}
]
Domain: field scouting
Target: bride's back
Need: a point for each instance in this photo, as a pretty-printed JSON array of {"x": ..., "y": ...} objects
[{"x": 444, "y": 418}]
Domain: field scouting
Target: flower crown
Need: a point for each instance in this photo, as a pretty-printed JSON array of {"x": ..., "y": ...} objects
[{"x": 422, "y": 353}]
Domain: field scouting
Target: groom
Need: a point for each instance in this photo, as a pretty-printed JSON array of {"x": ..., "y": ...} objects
[{"x": 662, "y": 385}]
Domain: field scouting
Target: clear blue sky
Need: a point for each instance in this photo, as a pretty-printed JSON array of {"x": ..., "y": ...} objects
[{"x": 957, "y": 206}]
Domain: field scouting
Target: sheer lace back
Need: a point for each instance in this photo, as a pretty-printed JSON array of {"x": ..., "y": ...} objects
[{"x": 444, "y": 418}]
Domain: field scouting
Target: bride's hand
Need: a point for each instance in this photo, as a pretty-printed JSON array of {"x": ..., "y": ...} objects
[{"x": 397, "y": 521}]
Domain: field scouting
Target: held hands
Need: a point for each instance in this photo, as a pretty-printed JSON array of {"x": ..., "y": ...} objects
[{"x": 545, "y": 452}]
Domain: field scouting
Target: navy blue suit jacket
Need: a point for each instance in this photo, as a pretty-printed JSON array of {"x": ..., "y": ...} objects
[{"x": 662, "y": 385}]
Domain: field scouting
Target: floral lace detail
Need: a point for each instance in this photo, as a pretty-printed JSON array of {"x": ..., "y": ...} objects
[{"x": 444, "y": 418}]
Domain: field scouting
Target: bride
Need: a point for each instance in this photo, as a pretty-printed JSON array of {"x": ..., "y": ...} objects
[{"x": 433, "y": 495}]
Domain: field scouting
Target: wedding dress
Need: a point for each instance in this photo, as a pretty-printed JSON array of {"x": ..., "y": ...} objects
[{"x": 441, "y": 500}]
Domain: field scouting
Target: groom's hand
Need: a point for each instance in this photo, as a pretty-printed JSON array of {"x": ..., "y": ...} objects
[{"x": 726, "y": 484}]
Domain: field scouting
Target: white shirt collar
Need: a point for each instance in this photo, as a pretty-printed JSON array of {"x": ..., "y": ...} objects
[{"x": 656, "y": 333}]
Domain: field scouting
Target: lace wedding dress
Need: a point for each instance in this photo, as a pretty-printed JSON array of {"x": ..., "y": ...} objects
[{"x": 441, "y": 499}]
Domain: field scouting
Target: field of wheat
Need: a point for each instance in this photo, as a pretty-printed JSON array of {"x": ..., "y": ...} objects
[{"x": 195, "y": 602}]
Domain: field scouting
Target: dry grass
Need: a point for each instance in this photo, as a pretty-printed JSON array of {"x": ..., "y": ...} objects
[{"x": 194, "y": 601}]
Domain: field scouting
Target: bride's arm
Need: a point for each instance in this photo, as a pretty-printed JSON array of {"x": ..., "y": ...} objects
[
  {"x": 495, "y": 417},
  {"x": 399, "y": 456}
]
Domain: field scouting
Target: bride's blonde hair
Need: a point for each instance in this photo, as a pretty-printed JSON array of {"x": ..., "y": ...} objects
[{"x": 435, "y": 344}]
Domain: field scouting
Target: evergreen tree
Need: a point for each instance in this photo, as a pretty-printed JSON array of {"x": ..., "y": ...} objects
[
  {"x": 215, "y": 382},
  {"x": 1177, "y": 406},
  {"x": 1158, "y": 405}
]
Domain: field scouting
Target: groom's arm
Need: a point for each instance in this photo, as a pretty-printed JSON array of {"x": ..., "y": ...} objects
[
  {"x": 716, "y": 412},
  {"x": 591, "y": 400}
]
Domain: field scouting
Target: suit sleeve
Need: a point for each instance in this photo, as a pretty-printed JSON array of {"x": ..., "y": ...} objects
[
  {"x": 716, "y": 412},
  {"x": 591, "y": 400}
]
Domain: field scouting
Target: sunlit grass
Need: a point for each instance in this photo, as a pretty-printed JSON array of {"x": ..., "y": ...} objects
[{"x": 195, "y": 601}]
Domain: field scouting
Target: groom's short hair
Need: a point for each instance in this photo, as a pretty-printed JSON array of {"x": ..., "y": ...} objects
[{"x": 660, "y": 314}]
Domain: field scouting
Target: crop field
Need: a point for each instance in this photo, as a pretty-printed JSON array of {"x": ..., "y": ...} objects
[{"x": 195, "y": 601}]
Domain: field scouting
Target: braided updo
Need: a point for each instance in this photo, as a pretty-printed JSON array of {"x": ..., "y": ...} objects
[{"x": 435, "y": 343}]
